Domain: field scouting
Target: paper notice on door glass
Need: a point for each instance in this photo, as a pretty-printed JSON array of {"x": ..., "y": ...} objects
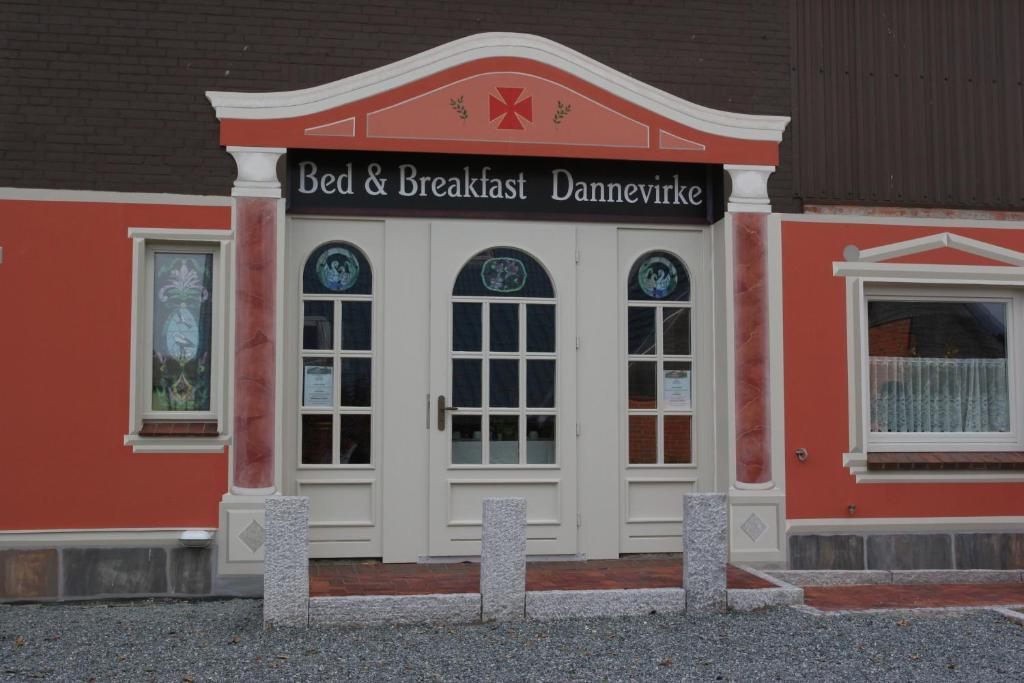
[
  {"x": 318, "y": 386},
  {"x": 677, "y": 390}
]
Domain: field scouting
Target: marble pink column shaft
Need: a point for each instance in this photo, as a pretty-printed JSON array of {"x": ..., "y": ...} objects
[
  {"x": 750, "y": 303},
  {"x": 255, "y": 291}
]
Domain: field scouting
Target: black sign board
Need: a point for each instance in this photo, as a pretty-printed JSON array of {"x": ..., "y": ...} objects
[{"x": 388, "y": 183}]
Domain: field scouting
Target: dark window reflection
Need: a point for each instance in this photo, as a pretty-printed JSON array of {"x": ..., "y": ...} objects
[{"x": 354, "y": 446}]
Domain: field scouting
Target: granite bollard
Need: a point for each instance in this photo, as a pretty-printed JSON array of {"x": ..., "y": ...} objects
[
  {"x": 286, "y": 562},
  {"x": 503, "y": 559},
  {"x": 705, "y": 552}
]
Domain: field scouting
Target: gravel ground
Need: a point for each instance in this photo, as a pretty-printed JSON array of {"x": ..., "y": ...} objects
[{"x": 223, "y": 641}]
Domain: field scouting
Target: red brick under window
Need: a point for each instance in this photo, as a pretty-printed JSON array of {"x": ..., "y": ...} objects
[
  {"x": 946, "y": 461},
  {"x": 200, "y": 428}
]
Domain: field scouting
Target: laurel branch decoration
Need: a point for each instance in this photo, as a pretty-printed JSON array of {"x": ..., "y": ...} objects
[
  {"x": 459, "y": 107},
  {"x": 561, "y": 111}
]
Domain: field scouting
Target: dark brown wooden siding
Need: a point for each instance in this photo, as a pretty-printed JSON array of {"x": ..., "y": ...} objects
[
  {"x": 108, "y": 94},
  {"x": 909, "y": 102}
]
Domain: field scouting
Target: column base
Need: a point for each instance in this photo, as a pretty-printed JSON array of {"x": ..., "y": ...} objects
[
  {"x": 757, "y": 525},
  {"x": 241, "y": 535}
]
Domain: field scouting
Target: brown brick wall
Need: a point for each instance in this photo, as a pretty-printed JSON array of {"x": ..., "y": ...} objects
[{"x": 108, "y": 95}]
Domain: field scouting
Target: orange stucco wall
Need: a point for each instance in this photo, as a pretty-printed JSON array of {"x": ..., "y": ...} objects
[
  {"x": 65, "y": 335},
  {"x": 814, "y": 329}
]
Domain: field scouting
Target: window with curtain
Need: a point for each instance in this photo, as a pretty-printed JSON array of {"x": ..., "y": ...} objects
[{"x": 938, "y": 366}]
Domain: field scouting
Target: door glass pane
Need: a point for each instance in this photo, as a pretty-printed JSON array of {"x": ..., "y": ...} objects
[
  {"x": 643, "y": 384},
  {"x": 540, "y": 384},
  {"x": 503, "y": 272},
  {"x": 318, "y": 382},
  {"x": 466, "y": 331},
  {"x": 505, "y": 327},
  {"x": 677, "y": 386},
  {"x": 355, "y": 381},
  {"x": 504, "y": 440},
  {"x": 466, "y": 442},
  {"x": 658, "y": 276},
  {"x": 354, "y": 446},
  {"x": 641, "y": 330},
  {"x": 504, "y": 384},
  {"x": 318, "y": 325},
  {"x": 316, "y": 439},
  {"x": 643, "y": 439},
  {"x": 540, "y": 440},
  {"x": 676, "y": 331},
  {"x": 356, "y": 325},
  {"x": 678, "y": 439},
  {"x": 466, "y": 388},
  {"x": 540, "y": 328}
]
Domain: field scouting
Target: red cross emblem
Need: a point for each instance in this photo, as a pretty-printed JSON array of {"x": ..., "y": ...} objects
[{"x": 510, "y": 108}]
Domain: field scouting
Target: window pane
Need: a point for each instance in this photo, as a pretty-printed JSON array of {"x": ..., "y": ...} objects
[
  {"x": 318, "y": 325},
  {"x": 466, "y": 331},
  {"x": 504, "y": 440},
  {"x": 676, "y": 386},
  {"x": 676, "y": 331},
  {"x": 658, "y": 276},
  {"x": 678, "y": 448},
  {"x": 504, "y": 327},
  {"x": 356, "y": 325},
  {"x": 354, "y": 441},
  {"x": 466, "y": 389},
  {"x": 318, "y": 382},
  {"x": 182, "y": 331},
  {"x": 540, "y": 440},
  {"x": 641, "y": 330},
  {"x": 355, "y": 381},
  {"x": 316, "y": 439},
  {"x": 540, "y": 328},
  {"x": 643, "y": 439},
  {"x": 540, "y": 384},
  {"x": 466, "y": 442},
  {"x": 643, "y": 384},
  {"x": 503, "y": 272},
  {"x": 504, "y": 384},
  {"x": 938, "y": 366}
]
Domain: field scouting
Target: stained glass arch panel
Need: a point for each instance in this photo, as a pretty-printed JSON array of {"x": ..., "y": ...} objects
[
  {"x": 658, "y": 276},
  {"x": 504, "y": 272},
  {"x": 337, "y": 268}
]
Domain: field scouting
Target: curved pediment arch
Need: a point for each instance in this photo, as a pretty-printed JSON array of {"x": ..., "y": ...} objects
[{"x": 499, "y": 93}]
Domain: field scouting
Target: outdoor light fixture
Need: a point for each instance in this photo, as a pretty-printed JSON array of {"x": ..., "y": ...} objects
[{"x": 196, "y": 538}]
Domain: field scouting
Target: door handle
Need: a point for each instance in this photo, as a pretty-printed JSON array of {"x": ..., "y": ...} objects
[{"x": 442, "y": 411}]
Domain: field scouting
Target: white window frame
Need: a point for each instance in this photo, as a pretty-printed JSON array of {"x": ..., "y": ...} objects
[
  {"x": 865, "y": 270},
  {"x": 145, "y": 243},
  {"x": 944, "y": 441}
]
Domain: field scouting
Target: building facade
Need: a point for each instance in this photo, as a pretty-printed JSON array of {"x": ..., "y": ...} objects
[{"x": 501, "y": 266}]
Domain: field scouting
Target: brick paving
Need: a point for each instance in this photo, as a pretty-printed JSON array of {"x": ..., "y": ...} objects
[
  {"x": 339, "y": 577},
  {"x": 889, "y": 596}
]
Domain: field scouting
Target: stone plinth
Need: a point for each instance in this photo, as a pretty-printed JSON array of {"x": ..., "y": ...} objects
[
  {"x": 705, "y": 552},
  {"x": 503, "y": 559},
  {"x": 286, "y": 562}
]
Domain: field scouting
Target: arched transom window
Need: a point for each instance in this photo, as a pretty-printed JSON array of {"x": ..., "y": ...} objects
[
  {"x": 503, "y": 363},
  {"x": 659, "y": 361},
  {"x": 337, "y": 357}
]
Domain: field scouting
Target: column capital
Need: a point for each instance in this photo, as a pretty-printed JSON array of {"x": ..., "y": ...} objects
[
  {"x": 749, "y": 188},
  {"x": 257, "y": 171}
]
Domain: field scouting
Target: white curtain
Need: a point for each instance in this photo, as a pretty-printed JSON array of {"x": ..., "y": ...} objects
[{"x": 939, "y": 395}]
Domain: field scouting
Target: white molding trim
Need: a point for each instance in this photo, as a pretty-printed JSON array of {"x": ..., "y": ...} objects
[
  {"x": 930, "y": 242},
  {"x": 901, "y": 221},
  {"x": 102, "y": 197},
  {"x": 749, "y": 188},
  {"x": 182, "y": 234},
  {"x": 125, "y": 536},
  {"x": 181, "y": 444},
  {"x": 876, "y": 524},
  {"x": 288, "y": 104},
  {"x": 857, "y": 463},
  {"x": 928, "y": 273}
]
